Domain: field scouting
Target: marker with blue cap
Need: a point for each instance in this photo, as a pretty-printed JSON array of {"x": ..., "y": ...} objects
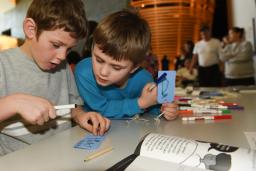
[{"x": 159, "y": 80}]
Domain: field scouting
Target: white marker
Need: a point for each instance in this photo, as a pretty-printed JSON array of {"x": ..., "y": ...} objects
[
  {"x": 63, "y": 110},
  {"x": 69, "y": 106}
]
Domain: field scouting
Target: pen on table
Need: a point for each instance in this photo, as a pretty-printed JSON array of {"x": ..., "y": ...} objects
[
  {"x": 69, "y": 106},
  {"x": 98, "y": 153},
  {"x": 159, "y": 80},
  {"x": 218, "y": 117}
]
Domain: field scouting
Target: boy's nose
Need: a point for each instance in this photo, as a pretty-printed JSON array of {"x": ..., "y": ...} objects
[
  {"x": 104, "y": 71},
  {"x": 62, "y": 56}
]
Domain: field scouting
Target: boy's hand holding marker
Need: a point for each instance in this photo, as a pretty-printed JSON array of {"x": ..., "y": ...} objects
[
  {"x": 147, "y": 98},
  {"x": 149, "y": 93},
  {"x": 41, "y": 108}
]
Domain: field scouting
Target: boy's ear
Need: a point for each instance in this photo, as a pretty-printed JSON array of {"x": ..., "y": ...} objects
[
  {"x": 134, "y": 69},
  {"x": 29, "y": 27}
]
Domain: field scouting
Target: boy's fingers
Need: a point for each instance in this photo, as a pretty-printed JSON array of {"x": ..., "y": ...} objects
[
  {"x": 101, "y": 125},
  {"x": 40, "y": 121},
  {"x": 169, "y": 109},
  {"x": 104, "y": 124},
  {"x": 107, "y": 123},
  {"x": 170, "y": 104},
  {"x": 170, "y": 116},
  {"x": 52, "y": 112},
  {"x": 43, "y": 115},
  {"x": 88, "y": 126},
  {"x": 46, "y": 116},
  {"x": 151, "y": 86},
  {"x": 95, "y": 124}
]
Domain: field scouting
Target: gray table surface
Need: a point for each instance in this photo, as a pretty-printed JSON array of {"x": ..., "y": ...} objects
[{"x": 57, "y": 153}]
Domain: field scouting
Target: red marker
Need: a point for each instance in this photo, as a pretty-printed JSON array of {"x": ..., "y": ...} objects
[
  {"x": 228, "y": 104},
  {"x": 215, "y": 117}
]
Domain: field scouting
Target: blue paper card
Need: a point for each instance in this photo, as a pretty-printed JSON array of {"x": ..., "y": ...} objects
[
  {"x": 90, "y": 142},
  {"x": 166, "y": 88}
]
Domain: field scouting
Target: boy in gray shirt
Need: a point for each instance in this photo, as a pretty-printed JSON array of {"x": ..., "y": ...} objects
[{"x": 35, "y": 77}]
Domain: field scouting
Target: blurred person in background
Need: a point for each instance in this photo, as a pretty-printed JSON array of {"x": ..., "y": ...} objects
[
  {"x": 237, "y": 54},
  {"x": 206, "y": 52}
]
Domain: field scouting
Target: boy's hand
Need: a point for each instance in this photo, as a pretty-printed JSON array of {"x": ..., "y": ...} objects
[
  {"x": 33, "y": 109},
  {"x": 148, "y": 97},
  {"x": 170, "y": 110},
  {"x": 93, "y": 122}
]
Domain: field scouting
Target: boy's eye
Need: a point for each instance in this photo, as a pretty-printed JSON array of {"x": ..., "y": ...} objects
[
  {"x": 99, "y": 60},
  {"x": 55, "y": 46},
  {"x": 117, "y": 68}
]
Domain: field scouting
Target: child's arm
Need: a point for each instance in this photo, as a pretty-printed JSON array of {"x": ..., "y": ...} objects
[
  {"x": 34, "y": 110},
  {"x": 111, "y": 108},
  {"x": 91, "y": 121}
]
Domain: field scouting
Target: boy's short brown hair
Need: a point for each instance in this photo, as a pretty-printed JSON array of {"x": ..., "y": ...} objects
[
  {"x": 123, "y": 35},
  {"x": 56, "y": 14}
]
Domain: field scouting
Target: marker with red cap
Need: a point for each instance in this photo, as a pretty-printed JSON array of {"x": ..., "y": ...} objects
[{"x": 215, "y": 117}]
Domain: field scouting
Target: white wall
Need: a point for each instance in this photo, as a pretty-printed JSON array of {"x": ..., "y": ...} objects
[
  {"x": 95, "y": 10},
  {"x": 243, "y": 11}
]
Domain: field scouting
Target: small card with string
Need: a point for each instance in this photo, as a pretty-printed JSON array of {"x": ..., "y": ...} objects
[{"x": 166, "y": 88}]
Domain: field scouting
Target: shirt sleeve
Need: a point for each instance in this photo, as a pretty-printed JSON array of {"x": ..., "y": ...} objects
[
  {"x": 227, "y": 53},
  {"x": 96, "y": 101},
  {"x": 237, "y": 53}
]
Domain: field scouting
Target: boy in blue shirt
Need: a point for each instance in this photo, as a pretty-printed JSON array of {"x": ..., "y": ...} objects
[{"x": 112, "y": 82}]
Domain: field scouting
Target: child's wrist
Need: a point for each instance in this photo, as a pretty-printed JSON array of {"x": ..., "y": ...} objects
[
  {"x": 77, "y": 115},
  {"x": 141, "y": 103}
]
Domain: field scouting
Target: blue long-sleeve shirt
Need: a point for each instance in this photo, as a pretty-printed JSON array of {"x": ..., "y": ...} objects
[{"x": 111, "y": 101}]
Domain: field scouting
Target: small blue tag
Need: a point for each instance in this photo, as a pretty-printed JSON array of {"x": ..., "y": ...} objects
[
  {"x": 90, "y": 142},
  {"x": 166, "y": 88}
]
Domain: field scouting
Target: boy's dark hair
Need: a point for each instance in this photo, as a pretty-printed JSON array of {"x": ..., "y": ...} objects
[
  {"x": 86, "y": 52},
  {"x": 56, "y": 14},
  {"x": 123, "y": 35},
  {"x": 73, "y": 57}
]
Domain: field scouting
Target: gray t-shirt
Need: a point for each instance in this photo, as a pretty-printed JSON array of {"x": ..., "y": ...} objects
[
  {"x": 238, "y": 58},
  {"x": 19, "y": 73}
]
